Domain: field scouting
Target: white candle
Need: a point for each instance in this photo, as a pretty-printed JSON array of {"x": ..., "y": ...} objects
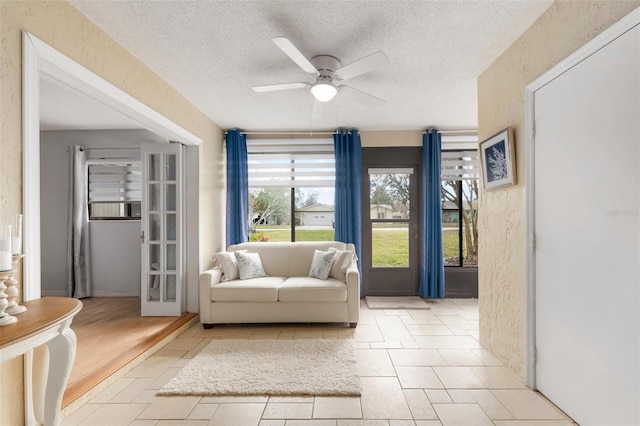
[
  {"x": 16, "y": 241},
  {"x": 16, "y": 246},
  {"x": 5, "y": 248},
  {"x": 5, "y": 261}
]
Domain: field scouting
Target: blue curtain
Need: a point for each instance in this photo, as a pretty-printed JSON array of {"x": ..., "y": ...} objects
[
  {"x": 348, "y": 194},
  {"x": 237, "y": 188},
  {"x": 432, "y": 262}
]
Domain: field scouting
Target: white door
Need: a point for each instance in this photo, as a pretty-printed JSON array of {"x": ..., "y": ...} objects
[
  {"x": 587, "y": 228},
  {"x": 162, "y": 292}
]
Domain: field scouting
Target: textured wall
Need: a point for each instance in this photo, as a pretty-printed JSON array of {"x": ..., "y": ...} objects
[
  {"x": 391, "y": 138},
  {"x": 562, "y": 29},
  {"x": 61, "y": 26}
]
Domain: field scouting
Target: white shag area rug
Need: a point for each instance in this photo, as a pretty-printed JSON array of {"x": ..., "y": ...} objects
[
  {"x": 405, "y": 302},
  {"x": 269, "y": 367}
]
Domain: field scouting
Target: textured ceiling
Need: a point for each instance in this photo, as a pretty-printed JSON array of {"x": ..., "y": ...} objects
[{"x": 214, "y": 51}]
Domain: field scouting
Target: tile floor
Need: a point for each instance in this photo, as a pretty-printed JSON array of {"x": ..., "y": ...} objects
[{"x": 418, "y": 367}]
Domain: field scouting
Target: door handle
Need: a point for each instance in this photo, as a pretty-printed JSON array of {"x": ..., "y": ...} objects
[{"x": 142, "y": 237}]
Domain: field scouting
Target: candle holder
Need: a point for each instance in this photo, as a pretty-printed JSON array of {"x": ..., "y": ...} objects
[
  {"x": 12, "y": 291},
  {"x": 5, "y": 319}
]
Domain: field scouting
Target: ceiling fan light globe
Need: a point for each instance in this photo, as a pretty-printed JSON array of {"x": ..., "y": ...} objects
[{"x": 323, "y": 92}]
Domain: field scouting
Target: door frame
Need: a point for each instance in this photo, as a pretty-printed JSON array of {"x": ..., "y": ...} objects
[
  {"x": 591, "y": 47},
  {"x": 39, "y": 60},
  {"x": 407, "y": 156}
]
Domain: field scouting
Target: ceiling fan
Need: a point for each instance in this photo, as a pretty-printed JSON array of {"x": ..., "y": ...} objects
[{"x": 329, "y": 74}]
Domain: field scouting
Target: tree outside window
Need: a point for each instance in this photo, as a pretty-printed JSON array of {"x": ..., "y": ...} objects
[
  {"x": 271, "y": 210},
  {"x": 460, "y": 222},
  {"x": 269, "y": 206}
]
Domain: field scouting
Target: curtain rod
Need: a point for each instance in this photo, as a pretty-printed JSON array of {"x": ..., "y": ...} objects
[
  {"x": 444, "y": 132},
  {"x": 84, "y": 148},
  {"x": 128, "y": 147},
  {"x": 286, "y": 133}
]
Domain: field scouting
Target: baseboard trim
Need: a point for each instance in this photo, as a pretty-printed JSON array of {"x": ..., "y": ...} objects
[
  {"x": 53, "y": 293},
  {"x": 94, "y": 294},
  {"x": 115, "y": 294}
]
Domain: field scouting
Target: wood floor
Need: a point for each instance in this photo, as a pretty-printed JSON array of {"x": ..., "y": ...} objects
[{"x": 111, "y": 333}]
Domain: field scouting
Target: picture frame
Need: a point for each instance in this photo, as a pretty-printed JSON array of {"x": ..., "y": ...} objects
[{"x": 497, "y": 156}]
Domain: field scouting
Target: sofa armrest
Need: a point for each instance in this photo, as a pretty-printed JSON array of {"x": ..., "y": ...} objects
[
  {"x": 208, "y": 279},
  {"x": 353, "y": 292}
]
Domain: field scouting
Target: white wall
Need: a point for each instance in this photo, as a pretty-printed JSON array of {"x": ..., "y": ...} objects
[
  {"x": 115, "y": 258},
  {"x": 115, "y": 245}
]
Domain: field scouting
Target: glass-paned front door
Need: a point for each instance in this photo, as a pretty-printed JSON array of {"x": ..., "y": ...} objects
[{"x": 391, "y": 230}]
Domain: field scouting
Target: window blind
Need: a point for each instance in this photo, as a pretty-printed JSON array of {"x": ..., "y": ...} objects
[
  {"x": 291, "y": 163},
  {"x": 459, "y": 165},
  {"x": 114, "y": 182}
]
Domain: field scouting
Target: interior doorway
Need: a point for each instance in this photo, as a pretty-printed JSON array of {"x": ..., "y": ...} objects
[
  {"x": 42, "y": 62},
  {"x": 391, "y": 200}
]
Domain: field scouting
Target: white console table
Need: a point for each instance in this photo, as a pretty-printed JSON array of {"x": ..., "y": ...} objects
[{"x": 43, "y": 334}]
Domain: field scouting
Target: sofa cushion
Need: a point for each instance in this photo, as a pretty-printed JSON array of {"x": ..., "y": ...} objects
[
  {"x": 308, "y": 289},
  {"x": 301, "y": 255},
  {"x": 321, "y": 264},
  {"x": 263, "y": 289},
  {"x": 288, "y": 259},
  {"x": 341, "y": 262},
  {"x": 249, "y": 265},
  {"x": 229, "y": 265},
  {"x": 274, "y": 255}
]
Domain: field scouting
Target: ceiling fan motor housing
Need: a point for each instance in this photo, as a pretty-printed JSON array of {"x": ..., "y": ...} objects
[{"x": 326, "y": 66}]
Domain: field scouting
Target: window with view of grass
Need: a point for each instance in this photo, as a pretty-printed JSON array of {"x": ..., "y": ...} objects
[
  {"x": 390, "y": 214},
  {"x": 459, "y": 196},
  {"x": 291, "y": 189}
]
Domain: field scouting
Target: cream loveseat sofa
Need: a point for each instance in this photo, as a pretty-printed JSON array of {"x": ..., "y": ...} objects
[{"x": 287, "y": 293}]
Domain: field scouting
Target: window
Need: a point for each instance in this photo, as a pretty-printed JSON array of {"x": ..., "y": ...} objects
[
  {"x": 114, "y": 190},
  {"x": 389, "y": 201},
  {"x": 459, "y": 196},
  {"x": 291, "y": 189}
]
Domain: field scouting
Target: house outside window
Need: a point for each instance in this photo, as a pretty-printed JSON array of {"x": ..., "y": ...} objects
[{"x": 291, "y": 189}]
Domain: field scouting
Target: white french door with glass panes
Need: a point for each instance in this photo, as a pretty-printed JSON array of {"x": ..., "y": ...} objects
[{"x": 162, "y": 292}]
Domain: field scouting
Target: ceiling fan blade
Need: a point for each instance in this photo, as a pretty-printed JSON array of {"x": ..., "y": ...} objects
[
  {"x": 291, "y": 51},
  {"x": 361, "y": 97},
  {"x": 362, "y": 66},
  {"x": 282, "y": 86}
]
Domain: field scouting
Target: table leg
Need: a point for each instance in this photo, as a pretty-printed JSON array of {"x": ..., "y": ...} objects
[{"x": 62, "y": 352}]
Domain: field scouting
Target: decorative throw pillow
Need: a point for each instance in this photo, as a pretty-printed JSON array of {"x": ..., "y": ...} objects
[
  {"x": 229, "y": 265},
  {"x": 249, "y": 265},
  {"x": 341, "y": 262},
  {"x": 321, "y": 264}
]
